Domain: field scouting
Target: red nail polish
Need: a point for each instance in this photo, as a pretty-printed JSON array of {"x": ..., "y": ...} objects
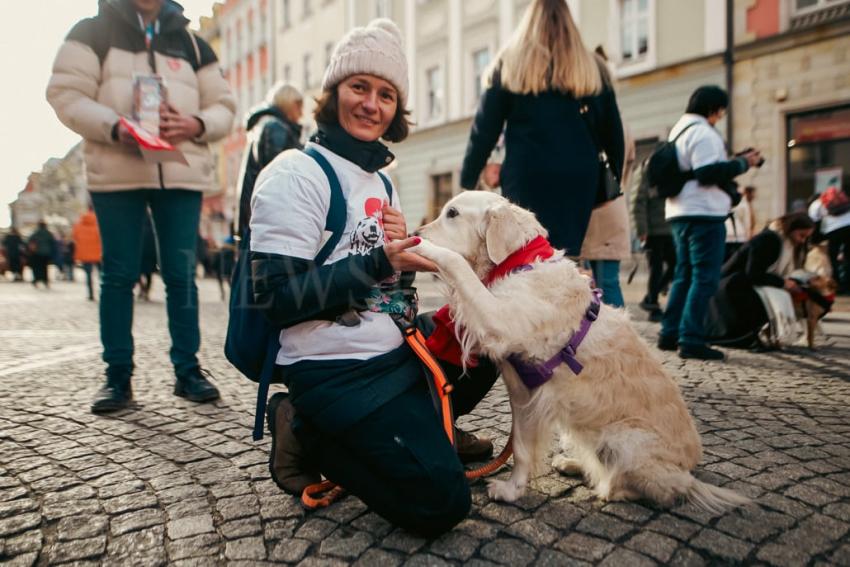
[{"x": 417, "y": 240}]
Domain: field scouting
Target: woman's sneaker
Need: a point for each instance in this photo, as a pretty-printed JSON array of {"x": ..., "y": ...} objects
[{"x": 288, "y": 463}]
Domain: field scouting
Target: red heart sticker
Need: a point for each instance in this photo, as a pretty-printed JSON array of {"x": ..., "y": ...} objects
[{"x": 174, "y": 64}]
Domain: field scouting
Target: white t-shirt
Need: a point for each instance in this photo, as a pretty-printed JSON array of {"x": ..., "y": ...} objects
[
  {"x": 288, "y": 212},
  {"x": 701, "y": 145}
]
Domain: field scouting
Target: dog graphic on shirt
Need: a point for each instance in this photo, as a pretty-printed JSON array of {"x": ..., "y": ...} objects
[{"x": 369, "y": 232}]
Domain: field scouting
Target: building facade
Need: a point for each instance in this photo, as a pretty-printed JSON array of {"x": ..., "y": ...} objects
[
  {"x": 247, "y": 39},
  {"x": 58, "y": 194},
  {"x": 791, "y": 96},
  {"x": 787, "y": 69},
  {"x": 657, "y": 60}
]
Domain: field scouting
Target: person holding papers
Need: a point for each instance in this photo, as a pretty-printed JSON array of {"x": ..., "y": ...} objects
[{"x": 137, "y": 61}]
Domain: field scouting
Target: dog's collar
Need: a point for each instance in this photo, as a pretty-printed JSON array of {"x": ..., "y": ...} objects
[
  {"x": 536, "y": 249},
  {"x": 535, "y": 375}
]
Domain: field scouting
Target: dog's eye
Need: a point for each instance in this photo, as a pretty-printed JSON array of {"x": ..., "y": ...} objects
[{"x": 452, "y": 213}]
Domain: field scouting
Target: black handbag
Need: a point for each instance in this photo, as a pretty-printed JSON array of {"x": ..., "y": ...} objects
[{"x": 608, "y": 186}]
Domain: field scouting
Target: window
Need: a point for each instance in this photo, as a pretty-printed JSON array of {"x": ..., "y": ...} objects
[
  {"x": 480, "y": 60},
  {"x": 805, "y": 6},
  {"x": 382, "y": 8},
  {"x": 285, "y": 14},
  {"x": 308, "y": 9},
  {"x": 250, "y": 29},
  {"x": 441, "y": 192},
  {"x": 307, "y": 78},
  {"x": 329, "y": 49},
  {"x": 434, "y": 80},
  {"x": 287, "y": 73},
  {"x": 634, "y": 30}
]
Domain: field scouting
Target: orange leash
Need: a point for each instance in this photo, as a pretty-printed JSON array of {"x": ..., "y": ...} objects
[{"x": 323, "y": 494}]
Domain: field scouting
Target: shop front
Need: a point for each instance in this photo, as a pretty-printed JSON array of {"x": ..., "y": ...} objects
[{"x": 817, "y": 154}]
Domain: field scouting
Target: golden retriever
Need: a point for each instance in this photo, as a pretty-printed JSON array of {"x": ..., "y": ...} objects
[
  {"x": 818, "y": 270},
  {"x": 622, "y": 418}
]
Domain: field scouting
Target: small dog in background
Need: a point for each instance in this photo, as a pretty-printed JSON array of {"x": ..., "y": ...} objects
[{"x": 817, "y": 277}]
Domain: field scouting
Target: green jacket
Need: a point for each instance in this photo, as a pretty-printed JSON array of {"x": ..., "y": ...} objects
[{"x": 647, "y": 209}]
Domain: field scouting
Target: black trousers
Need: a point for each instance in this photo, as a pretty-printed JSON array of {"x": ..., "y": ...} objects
[
  {"x": 661, "y": 255},
  {"x": 840, "y": 270},
  {"x": 398, "y": 459},
  {"x": 38, "y": 264}
]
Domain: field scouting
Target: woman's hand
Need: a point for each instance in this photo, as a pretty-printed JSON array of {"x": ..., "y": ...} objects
[
  {"x": 395, "y": 227},
  {"x": 124, "y": 135},
  {"x": 175, "y": 127},
  {"x": 491, "y": 175},
  {"x": 404, "y": 261}
]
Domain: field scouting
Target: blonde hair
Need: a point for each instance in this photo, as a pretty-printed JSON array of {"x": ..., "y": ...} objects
[
  {"x": 283, "y": 96},
  {"x": 546, "y": 53}
]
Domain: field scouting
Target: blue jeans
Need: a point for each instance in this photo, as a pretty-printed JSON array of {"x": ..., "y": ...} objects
[
  {"x": 607, "y": 276},
  {"x": 700, "y": 245},
  {"x": 120, "y": 218}
]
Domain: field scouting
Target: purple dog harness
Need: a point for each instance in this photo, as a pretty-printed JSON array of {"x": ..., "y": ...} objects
[{"x": 535, "y": 375}]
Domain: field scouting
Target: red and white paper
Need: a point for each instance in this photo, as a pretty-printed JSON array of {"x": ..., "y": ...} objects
[{"x": 154, "y": 149}]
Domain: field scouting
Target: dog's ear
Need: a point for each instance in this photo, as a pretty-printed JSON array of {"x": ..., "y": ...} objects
[{"x": 507, "y": 228}]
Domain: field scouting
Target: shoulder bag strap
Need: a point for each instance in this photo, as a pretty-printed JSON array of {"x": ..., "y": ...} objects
[{"x": 584, "y": 110}]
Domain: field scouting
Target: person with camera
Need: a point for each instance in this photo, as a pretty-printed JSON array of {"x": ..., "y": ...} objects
[{"x": 696, "y": 216}]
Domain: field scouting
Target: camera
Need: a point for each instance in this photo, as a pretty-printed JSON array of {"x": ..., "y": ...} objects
[{"x": 759, "y": 163}]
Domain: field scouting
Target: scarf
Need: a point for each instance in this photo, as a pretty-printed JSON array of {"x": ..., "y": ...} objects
[
  {"x": 369, "y": 156},
  {"x": 443, "y": 342}
]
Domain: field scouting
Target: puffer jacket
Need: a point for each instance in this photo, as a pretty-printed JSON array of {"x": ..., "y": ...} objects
[
  {"x": 86, "y": 238},
  {"x": 269, "y": 134},
  {"x": 92, "y": 86}
]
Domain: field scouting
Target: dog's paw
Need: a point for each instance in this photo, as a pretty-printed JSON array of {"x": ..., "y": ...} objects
[
  {"x": 504, "y": 490},
  {"x": 567, "y": 466},
  {"x": 443, "y": 257}
]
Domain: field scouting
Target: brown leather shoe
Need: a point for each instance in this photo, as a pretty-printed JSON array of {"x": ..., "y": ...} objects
[
  {"x": 288, "y": 464},
  {"x": 470, "y": 448}
]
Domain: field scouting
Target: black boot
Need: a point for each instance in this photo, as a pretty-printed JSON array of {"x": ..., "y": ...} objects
[
  {"x": 288, "y": 464},
  {"x": 194, "y": 385},
  {"x": 116, "y": 393}
]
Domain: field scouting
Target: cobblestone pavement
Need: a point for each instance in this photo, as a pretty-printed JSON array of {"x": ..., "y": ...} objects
[{"x": 171, "y": 482}]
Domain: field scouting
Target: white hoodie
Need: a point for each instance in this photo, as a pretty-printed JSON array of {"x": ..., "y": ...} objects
[{"x": 701, "y": 145}]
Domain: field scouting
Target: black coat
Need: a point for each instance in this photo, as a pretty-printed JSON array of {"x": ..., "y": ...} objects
[
  {"x": 735, "y": 313},
  {"x": 551, "y": 165},
  {"x": 269, "y": 133}
]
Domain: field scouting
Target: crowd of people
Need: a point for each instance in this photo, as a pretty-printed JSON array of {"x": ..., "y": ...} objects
[{"x": 357, "y": 409}]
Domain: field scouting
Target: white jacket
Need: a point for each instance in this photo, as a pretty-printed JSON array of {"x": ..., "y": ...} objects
[
  {"x": 829, "y": 223},
  {"x": 701, "y": 145}
]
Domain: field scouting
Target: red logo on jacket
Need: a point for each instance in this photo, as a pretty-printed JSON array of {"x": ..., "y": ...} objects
[{"x": 174, "y": 64}]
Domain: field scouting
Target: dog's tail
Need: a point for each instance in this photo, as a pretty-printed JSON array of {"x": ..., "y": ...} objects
[
  {"x": 679, "y": 485},
  {"x": 714, "y": 499}
]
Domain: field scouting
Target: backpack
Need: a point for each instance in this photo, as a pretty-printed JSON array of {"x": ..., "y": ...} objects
[
  {"x": 252, "y": 341},
  {"x": 835, "y": 201},
  {"x": 662, "y": 168}
]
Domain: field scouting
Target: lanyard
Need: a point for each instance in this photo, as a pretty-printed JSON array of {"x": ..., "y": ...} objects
[{"x": 150, "y": 30}]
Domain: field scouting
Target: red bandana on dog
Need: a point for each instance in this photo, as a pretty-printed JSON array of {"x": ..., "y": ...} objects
[{"x": 443, "y": 342}]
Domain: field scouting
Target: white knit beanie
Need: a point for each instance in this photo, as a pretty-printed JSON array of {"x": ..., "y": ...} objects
[{"x": 376, "y": 50}]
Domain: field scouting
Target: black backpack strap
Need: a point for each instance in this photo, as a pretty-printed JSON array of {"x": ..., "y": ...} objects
[
  {"x": 388, "y": 187},
  {"x": 337, "y": 214},
  {"x": 335, "y": 224}
]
